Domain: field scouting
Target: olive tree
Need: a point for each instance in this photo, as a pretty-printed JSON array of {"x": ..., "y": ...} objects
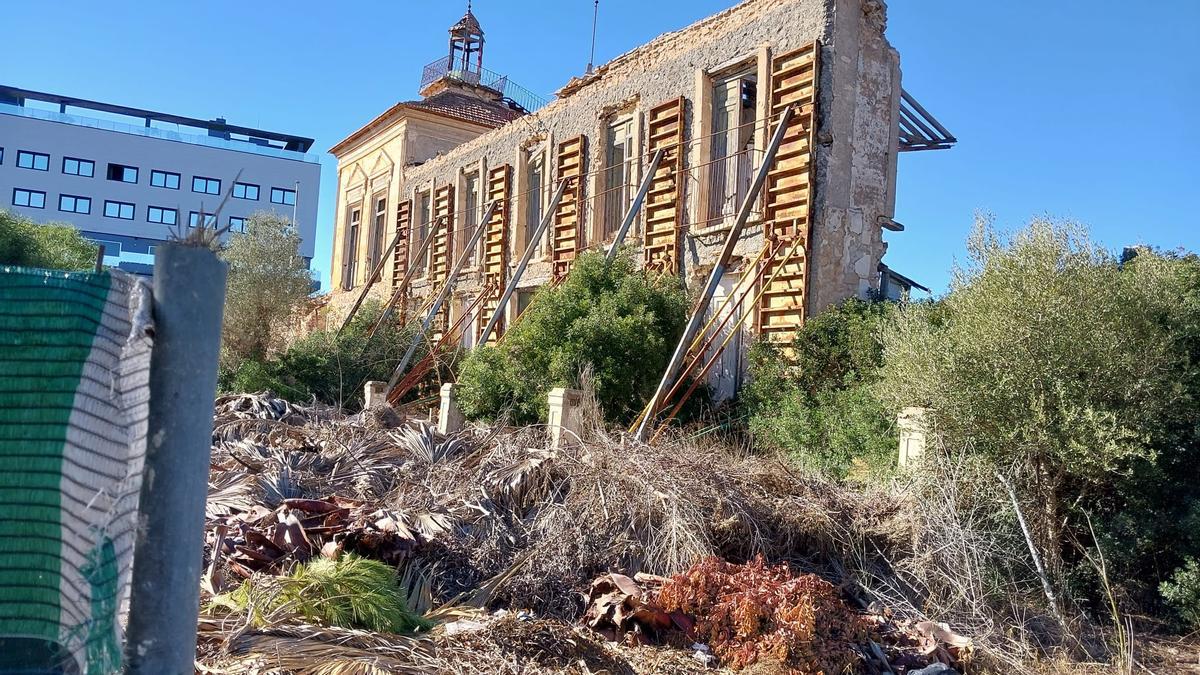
[{"x": 268, "y": 282}]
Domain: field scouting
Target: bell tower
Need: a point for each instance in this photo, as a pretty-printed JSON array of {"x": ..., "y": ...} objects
[
  {"x": 462, "y": 68},
  {"x": 466, "y": 48}
]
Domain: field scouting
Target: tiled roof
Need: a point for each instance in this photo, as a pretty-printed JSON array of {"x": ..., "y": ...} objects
[
  {"x": 468, "y": 23},
  {"x": 465, "y": 107}
]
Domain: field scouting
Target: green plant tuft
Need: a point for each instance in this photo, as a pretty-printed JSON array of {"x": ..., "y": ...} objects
[{"x": 350, "y": 592}]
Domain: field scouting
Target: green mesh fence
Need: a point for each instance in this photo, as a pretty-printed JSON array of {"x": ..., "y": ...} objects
[{"x": 74, "y": 371}]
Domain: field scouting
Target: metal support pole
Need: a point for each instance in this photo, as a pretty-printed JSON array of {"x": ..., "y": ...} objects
[
  {"x": 375, "y": 272},
  {"x": 398, "y": 293},
  {"x": 189, "y": 296},
  {"x": 437, "y": 304},
  {"x": 635, "y": 206},
  {"x": 534, "y": 244},
  {"x": 718, "y": 271}
]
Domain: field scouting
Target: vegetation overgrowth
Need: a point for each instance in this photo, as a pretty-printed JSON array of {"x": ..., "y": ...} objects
[
  {"x": 606, "y": 318},
  {"x": 57, "y": 246}
]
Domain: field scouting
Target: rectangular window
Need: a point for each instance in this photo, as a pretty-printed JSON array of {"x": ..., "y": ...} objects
[
  {"x": 282, "y": 196},
  {"x": 111, "y": 248},
  {"x": 378, "y": 229},
  {"x": 732, "y": 144},
  {"x": 237, "y": 224},
  {"x": 122, "y": 210},
  {"x": 73, "y": 204},
  {"x": 350, "y": 259},
  {"x": 470, "y": 217},
  {"x": 122, "y": 173},
  {"x": 33, "y": 160},
  {"x": 34, "y": 199},
  {"x": 524, "y": 298},
  {"x": 421, "y": 230},
  {"x": 157, "y": 214},
  {"x": 245, "y": 191},
  {"x": 208, "y": 186},
  {"x": 1, "y": 155},
  {"x": 78, "y": 167},
  {"x": 210, "y": 220},
  {"x": 164, "y": 179},
  {"x": 618, "y": 174},
  {"x": 535, "y": 193}
]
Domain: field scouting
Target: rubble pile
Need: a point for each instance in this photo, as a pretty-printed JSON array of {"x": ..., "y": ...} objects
[{"x": 591, "y": 558}]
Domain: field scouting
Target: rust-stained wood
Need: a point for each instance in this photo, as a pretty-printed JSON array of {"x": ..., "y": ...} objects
[
  {"x": 495, "y": 248},
  {"x": 788, "y": 195},
  {"x": 664, "y": 201},
  {"x": 566, "y": 233},
  {"x": 400, "y": 250},
  {"x": 441, "y": 251}
]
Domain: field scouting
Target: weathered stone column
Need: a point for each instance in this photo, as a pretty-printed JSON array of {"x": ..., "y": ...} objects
[
  {"x": 911, "y": 423},
  {"x": 450, "y": 418},
  {"x": 374, "y": 393},
  {"x": 565, "y": 415}
]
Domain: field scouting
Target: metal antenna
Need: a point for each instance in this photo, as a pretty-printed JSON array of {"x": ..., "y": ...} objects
[{"x": 592, "y": 55}]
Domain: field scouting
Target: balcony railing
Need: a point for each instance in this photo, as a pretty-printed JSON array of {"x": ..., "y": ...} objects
[
  {"x": 527, "y": 100},
  {"x": 155, "y": 132}
]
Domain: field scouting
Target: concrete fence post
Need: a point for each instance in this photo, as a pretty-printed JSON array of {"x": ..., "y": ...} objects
[
  {"x": 450, "y": 417},
  {"x": 565, "y": 417},
  {"x": 374, "y": 393},
  {"x": 911, "y": 424},
  {"x": 164, "y": 603}
]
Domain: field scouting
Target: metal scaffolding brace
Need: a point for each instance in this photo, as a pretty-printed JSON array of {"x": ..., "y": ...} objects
[
  {"x": 447, "y": 286},
  {"x": 714, "y": 277}
]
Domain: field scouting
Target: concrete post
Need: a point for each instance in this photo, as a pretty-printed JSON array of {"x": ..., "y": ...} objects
[
  {"x": 374, "y": 393},
  {"x": 911, "y": 423},
  {"x": 189, "y": 296},
  {"x": 450, "y": 418},
  {"x": 565, "y": 415}
]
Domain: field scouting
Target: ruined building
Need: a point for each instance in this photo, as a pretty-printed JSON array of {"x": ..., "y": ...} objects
[{"x": 708, "y": 97}]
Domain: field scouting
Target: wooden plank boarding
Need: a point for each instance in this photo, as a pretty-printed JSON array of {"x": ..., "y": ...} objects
[
  {"x": 441, "y": 251},
  {"x": 664, "y": 201},
  {"x": 788, "y": 195},
  {"x": 495, "y": 249},
  {"x": 566, "y": 233},
  {"x": 400, "y": 252}
]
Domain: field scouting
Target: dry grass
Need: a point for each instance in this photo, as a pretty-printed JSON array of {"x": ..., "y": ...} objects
[{"x": 501, "y": 505}]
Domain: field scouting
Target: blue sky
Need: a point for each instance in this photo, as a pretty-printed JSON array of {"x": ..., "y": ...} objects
[{"x": 1082, "y": 110}]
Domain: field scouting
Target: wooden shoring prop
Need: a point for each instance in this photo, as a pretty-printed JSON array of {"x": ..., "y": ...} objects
[
  {"x": 399, "y": 291},
  {"x": 534, "y": 244},
  {"x": 638, "y": 200},
  {"x": 447, "y": 286},
  {"x": 376, "y": 274},
  {"x": 718, "y": 271}
]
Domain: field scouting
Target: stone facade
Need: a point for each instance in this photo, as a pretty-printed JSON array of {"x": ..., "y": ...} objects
[{"x": 852, "y": 155}]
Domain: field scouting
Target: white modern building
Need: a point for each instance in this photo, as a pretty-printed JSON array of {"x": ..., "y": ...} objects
[{"x": 131, "y": 178}]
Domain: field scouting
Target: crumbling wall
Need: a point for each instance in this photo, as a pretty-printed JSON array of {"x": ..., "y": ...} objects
[
  {"x": 857, "y": 141},
  {"x": 858, "y": 88}
]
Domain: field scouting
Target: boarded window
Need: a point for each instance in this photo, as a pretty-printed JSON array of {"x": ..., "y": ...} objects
[
  {"x": 731, "y": 159},
  {"x": 350, "y": 260},
  {"x": 378, "y": 229},
  {"x": 421, "y": 230},
  {"x": 619, "y": 154},
  {"x": 535, "y": 186}
]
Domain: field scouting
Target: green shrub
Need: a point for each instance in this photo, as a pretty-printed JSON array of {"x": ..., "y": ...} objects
[
  {"x": 350, "y": 592},
  {"x": 1077, "y": 373},
  {"x": 47, "y": 245},
  {"x": 611, "y": 317},
  {"x": 1182, "y": 593},
  {"x": 816, "y": 403},
  {"x": 326, "y": 366}
]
